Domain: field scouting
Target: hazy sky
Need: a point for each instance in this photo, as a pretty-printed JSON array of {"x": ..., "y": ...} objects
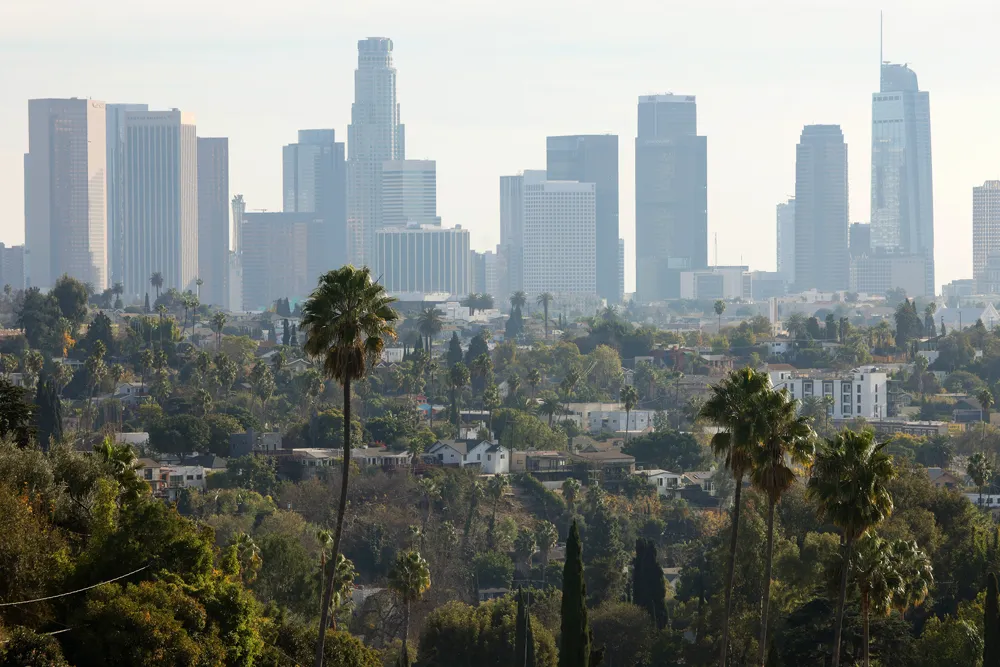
[{"x": 482, "y": 84}]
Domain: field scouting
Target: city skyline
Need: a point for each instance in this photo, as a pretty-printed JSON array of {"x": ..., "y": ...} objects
[{"x": 840, "y": 81}]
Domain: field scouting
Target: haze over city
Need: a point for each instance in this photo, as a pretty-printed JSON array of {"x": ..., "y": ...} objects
[{"x": 480, "y": 87}]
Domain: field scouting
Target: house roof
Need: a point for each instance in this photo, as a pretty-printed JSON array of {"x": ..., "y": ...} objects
[
  {"x": 656, "y": 473},
  {"x": 209, "y": 461},
  {"x": 147, "y": 463},
  {"x": 460, "y": 446},
  {"x": 605, "y": 457},
  {"x": 700, "y": 475},
  {"x": 550, "y": 454},
  {"x": 937, "y": 473}
]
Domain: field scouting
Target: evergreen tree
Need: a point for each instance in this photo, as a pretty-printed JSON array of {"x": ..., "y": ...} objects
[
  {"x": 419, "y": 345},
  {"x": 574, "y": 645},
  {"x": 991, "y": 624},
  {"x": 515, "y": 323},
  {"x": 520, "y": 632},
  {"x": 649, "y": 589},
  {"x": 477, "y": 346},
  {"x": 49, "y": 415},
  {"x": 145, "y": 304},
  {"x": 286, "y": 337},
  {"x": 454, "y": 350},
  {"x": 295, "y": 336}
]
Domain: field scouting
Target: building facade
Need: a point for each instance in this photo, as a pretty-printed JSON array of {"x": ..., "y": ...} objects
[
  {"x": 859, "y": 239},
  {"x": 115, "y": 116},
  {"x": 161, "y": 201},
  {"x": 717, "y": 282},
  {"x": 65, "y": 192},
  {"x": 671, "y": 195},
  {"x": 213, "y": 220},
  {"x": 512, "y": 230},
  {"x": 985, "y": 228},
  {"x": 12, "y": 266},
  {"x": 374, "y": 136},
  {"x": 878, "y": 273},
  {"x": 409, "y": 193},
  {"x": 859, "y": 393},
  {"x": 821, "y": 210},
  {"x": 424, "y": 260},
  {"x": 559, "y": 237},
  {"x": 902, "y": 204},
  {"x": 593, "y": 159},
  {"x": 273, "y": 246},
  {"x": 786, "y": 240}
]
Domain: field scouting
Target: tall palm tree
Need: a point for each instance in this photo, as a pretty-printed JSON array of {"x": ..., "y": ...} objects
[
  {"x": 571, "y": 491},
  {"x": 546, "y": 536},
  {"x": 550, "y": 406},
  {"x": 346, "y": 319},
  {"x": 429, "y": 324},
  {"x": 980, "y": 469},
  {"x": 786, "y": 439},
  {"x": 518, "y": 299},
  {"x": 458, "y": 378},
  {"x": 849, "y": 484},
  {"x": 534, "y": 379},
  {"x": 985, "y": 398},
  {"x": 161, "y": 310},
  {"x": 198, "y": 282},
  {"x": 431, "y": 492},
  {"x": 409, "y": 580},
  {"x": 218, "y": 324},
  {"x": 545, "y": 300},
  {"x": 495, "y": 489},
  {"x": 156, "y": 280},
  {"x": 630, "y": 398},
  {"x": 731, "y": 407},
  {"x": 720, "y": 307}
]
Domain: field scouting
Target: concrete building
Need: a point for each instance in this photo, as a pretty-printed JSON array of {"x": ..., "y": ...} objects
[
  {"x": 786, "y": 240},
  {"x": 213, "y": 220},
  {"x": 374, "y": 137},
  {"x": 161, "y": 200},
  {"x": 115, "y": 116},
  {"x": 409, "y": 193},
  {"x": 477, "y": 265},
  {"x": 716, "y": 282},
  {"x": 424, "y": 259},
  {"x": 12, "y": 266},
  {"x": 593, "y": 159},
  {"x": 985, "y": 230},
  {"x": 615, "y": 421},
  {"x": 274, "y": 245},
  {"x": 766, "y": 285},
  {"x": 65, "y": 192},
  {"x": 821, "y": 222},
  {"x": 857, "y": 393},
  {"x": 512, "y": 230},
  {"x": 878, "y": 273},
  {"x": 559, "y": 237},
  {"x": 671, "y": 195},
  {"x": 492, "y": 274},
  {"x": 314, "y": 179},
  {"x": 859, "y": 239},
  {"x": 902, "y": 204}
]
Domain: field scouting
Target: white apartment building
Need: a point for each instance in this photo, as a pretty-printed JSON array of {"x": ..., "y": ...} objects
[
  {"x": 985, "y": 233},
  {"x": 614, "y": 421},
  {"x": 560, "y": 227},
  {"x": 857, "y": 393},
  {"x": 424, "y": 259}
]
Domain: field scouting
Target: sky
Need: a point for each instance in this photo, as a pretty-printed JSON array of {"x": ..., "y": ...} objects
[{"x": 481, "y": 84}]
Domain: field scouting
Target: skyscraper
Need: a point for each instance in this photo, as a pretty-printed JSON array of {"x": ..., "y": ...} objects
[
  {"x": 560, "y": 223},
  {"x": 821, "y": 213},
  {"x": 115, "y": 114},
  {"x": 213, "y": 220},
  {"x": 409, "y": 193},
  {"x": 161, "y": 200},
  {"x": 860, "y": 239},
  {"x": 786, "y": 240},
  {"x": 671, "y": 195},
  {"x": 593, "y": 159},
  {"x": 424, "y": 259},
  {"x": 374, "y": 137},
  {"x": 511, "y": 247},
  {"x": 985, "y": 230},
  {"x": 273, "y": 247},
  {"x": 315, "y": 181},
  {"x": 65, "y": 188},
  {"x": 902, "y": 210}
]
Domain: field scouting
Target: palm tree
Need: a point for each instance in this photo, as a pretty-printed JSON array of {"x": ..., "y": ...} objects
[
  {"x": 145, "y": 361},
  {"x": 198, "y": 282},
  {"x": 630, "y": 397},
  {"x": 786, "y": 439},
  {"x": 518, "y": 299},
  {"x": 409, "y": 579},
  {"x": 534, "y": 379},
  {"x": 495, "y": 489},
  {"x": 156, "y": 280},
  {"x": 920, "y": 368},
  {"x": 161, "y": 311},
  {"x": 346, "y": 319},
  {"x": 458, "y": 378},
  {"x": 471, "y": 302},
  {"x": 325, "y": 539},
  {"x": 985, "y": 398},
  {"x": 429, "y": 325},
  {"x": 525, "y": 547},
  {"x": 720, "y": 307},
  {"x": 544, "y": 300},
  {"x": 731, "y": 407},
  {"x": 571, "y": 491},
  {"x": 218, "y": 324},
  {"x": 491, "y": 401},
  {"x": 546, "y": 536},
  {"x": 550, "y": 406},
  {"x": 849, "y": 484},
  {"x": 431, "y": 491},
  {"x": 980, "y": 469},
  {"x": 248, "y": 557}
]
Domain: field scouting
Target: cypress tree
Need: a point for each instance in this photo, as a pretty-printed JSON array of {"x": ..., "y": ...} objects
[
  {"x": 286, "y": 336},
  {"x": 529, "y": 637},
  {"x": 295, "y": 335},
  {"x": 991, "y": 624},
  {"x": 454, "y": 350},
  {"x": 574, "y": 648},
  {"x": 520, "y": 632},
  {"x": 146, "y": 303},
  {"x": 649, "y": 588},
  {"x": 49, "y": 415}
]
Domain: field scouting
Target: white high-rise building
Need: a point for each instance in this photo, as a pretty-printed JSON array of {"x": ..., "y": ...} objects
[
  {"x": 374, "y": 137},
  {"x": 116, "y": 187},
  {"x": 65, "y": 192},
  {"x": 560, "y": 228},
  {"x": 985, "y": 231},
  {"x": 161, "y": 200},
  {"x": 424, "y": 259},
  {"x": 409, "y": 193},
  {"x": 786, "y": 240},
  {"x": 213, "y": 220}
]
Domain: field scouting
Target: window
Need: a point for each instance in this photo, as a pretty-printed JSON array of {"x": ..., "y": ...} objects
[
  {"x": 190, "y": 477},
  {"x": 197, "y": 476},
  {"x": 479, "y": 457},
  {"x": 489, "y": 457},
  {"x": 148, "y": 473}
]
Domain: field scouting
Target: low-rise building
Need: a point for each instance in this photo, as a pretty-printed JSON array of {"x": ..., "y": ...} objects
[
  {"x": 664, "y": 481},
  {"x": 612, "y": 466},
  {"x": 243, "y": 444},
  {"x": 857, "y": 393},
  {"x": 946, "y": 479},
  {"x": 614, "y": 421}
]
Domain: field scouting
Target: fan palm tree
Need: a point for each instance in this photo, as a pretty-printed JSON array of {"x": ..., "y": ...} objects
[
  {"x": 545, "y": 300},
  {"x": 518, "y": 299},
  {"x": 409, "y": 580},
  {"x": 985, "y": 398},
  {"x": 571, "y": 491},
  {"x": 731, "y": 407},
  {"x": 550, "y": 406},
  {"x": 495, "y": 490},
  {"x": 720, "y": 307},
  {"x": 491, "y": 401},
  {"x": 534, "y": 379},
  {"x": 218, "y": 324},
  {"x": 471, "y": 302},
  {"x": 849, "y": 484},
  {"x": 630, "y": 398},
  {"x": 156, "y": 280},
  {"x": 786, "y": 439},
  {"x": 429, "y": 324},
  {"x": 458, "y": 378},
  {"x": 980, "y": 469},
  {"x": 431, "y": 492},
  {"x": 198, "y": 282},
  {"x": 346, "y": 319},
  {"x": 546, "y": 536}
]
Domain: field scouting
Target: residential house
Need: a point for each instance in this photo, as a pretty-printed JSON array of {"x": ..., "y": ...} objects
[
  {"x": 242, "y": 444},
  {"x": 497, "y": 461},
  {"x": 547, "y": 462},
  {"x": 297, "y": 366},
  {"x": 449, "y": 452},
  {"x": 861, "y": 392},
  {"x": 612, "y": 466},
  {"x": 153, "y": 474},
  {"x": 942, "y": 478},
  {"x": 615, "y": 421},
  {"x": 182, "y": 477},
  {"x": 664, "y": 481},
  {"x": 702, "y": 479}
]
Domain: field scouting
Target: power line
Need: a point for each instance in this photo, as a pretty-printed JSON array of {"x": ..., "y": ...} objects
[{"x": 79, "y": 590}]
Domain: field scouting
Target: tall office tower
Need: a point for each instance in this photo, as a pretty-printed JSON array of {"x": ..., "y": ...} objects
[
  {"x": 161, "y": 200},
  {"x": 593, "y": 159},
  {"x": 374, "y": 137},
  {"x": 493, "y": 275},
  {"x": 512, "y": 231},
  {"x": 239, "y": 207},
  {"x": 859, "y": 239},
  {"x": 621, "y": 269},
  {"x": 213, "y": 220},
  {"x": 409, "y": 193},
  {"x": 65, "y": 192},
  {"x": 235, "y": 302},
  {"x": 273, "y": 247},
  {"x": 115, "y": 114},
  {"x": 821, "y": 255},
  {"x": 560, "y": 228},
  {"x": 985, "y": 230},
  {"x": 315, "y": 181},
  {"x": 671, "y": 195},
  {"x": 902, "y": 189},
  {"x": 424, "y": 259},
  {"x": 478, "y": 271},
  {"x": 786, "y": 240}
]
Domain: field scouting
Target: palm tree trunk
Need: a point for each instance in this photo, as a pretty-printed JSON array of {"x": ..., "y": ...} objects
[
  {"x": 841, "y": 598},
  {"x": 731, "y": 570},
  {"x": 865, "y": 636},
  {"x": 339, "y": 530},
  {"x": 406, "y": 634},
  {"x": 767, "y": 583}
]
